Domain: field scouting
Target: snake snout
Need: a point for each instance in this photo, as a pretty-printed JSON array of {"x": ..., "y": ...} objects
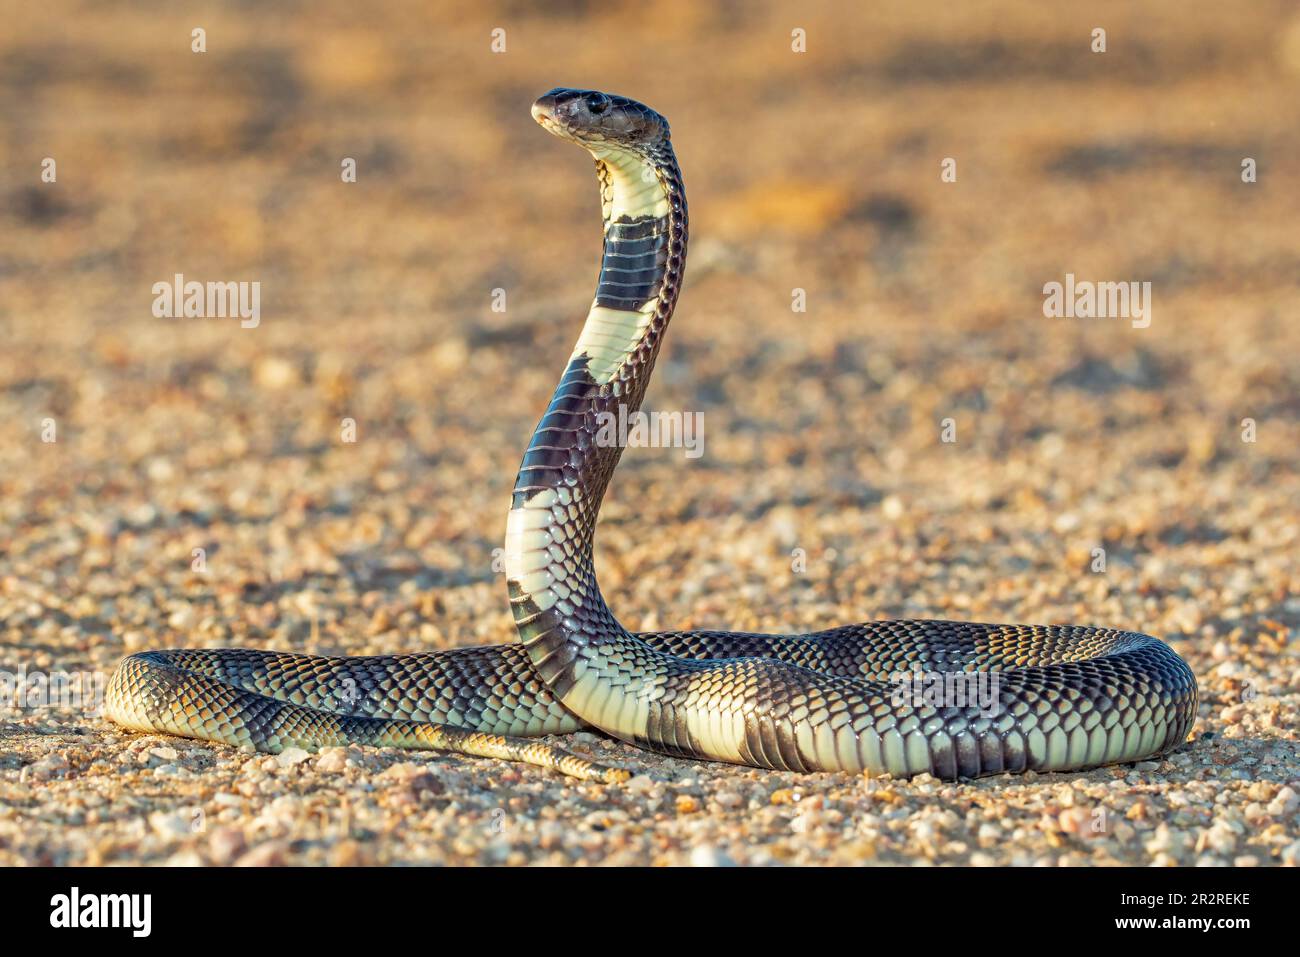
[
  {"x": 562, "y": 110},
  {"x": 544, "y": 108}
]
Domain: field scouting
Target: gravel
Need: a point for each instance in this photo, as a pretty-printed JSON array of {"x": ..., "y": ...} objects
[{"x": 201, "y": 489}]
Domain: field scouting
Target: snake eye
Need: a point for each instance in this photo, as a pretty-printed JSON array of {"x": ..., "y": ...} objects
[{"x": 597, "y": 103}]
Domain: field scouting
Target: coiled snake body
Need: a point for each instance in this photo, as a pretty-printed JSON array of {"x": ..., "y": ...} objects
[{"x": 1056, "y": 697}]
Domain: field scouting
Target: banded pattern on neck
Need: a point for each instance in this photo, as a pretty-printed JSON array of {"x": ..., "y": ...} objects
[{"x": 564, "y": 473}]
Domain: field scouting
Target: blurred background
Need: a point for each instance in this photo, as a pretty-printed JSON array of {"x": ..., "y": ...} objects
[{"x": 817, "y": 170}]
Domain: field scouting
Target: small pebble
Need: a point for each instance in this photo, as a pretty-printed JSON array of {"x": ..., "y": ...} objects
[
  {"x": 291, "y": 757},
  {"x": 708, "y": 856}
]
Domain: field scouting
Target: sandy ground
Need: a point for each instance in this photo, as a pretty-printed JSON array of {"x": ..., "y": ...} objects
[{"x": 825, "y": 493}]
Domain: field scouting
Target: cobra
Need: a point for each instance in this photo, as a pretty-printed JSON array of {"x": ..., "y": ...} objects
[{"x": 1060, "y": 697}]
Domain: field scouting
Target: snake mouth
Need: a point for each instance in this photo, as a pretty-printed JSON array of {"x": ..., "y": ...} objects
[
  {"x": 547, "y": 112},
  {"x": 543, "y": 110},
  {"x": 544, "y": 114}
]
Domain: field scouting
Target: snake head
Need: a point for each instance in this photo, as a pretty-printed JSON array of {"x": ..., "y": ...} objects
[{"x": 599, "y": 121}]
